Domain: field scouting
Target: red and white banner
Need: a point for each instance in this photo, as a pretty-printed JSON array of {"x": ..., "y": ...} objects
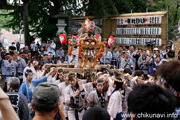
[
  {"x": 136, "y": 21},
  {"x": 138, "y": 41},
  {"x": 139, "y": 31}
]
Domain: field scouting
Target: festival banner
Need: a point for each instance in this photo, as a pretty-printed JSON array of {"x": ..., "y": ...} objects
[
  {"x": 138, "y": 41},
  {"x": 137, "y": 21},
  {"x": 139, "y": 31}
]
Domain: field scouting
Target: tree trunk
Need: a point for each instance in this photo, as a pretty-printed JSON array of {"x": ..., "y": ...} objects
[{"x": 26, "y": 25}]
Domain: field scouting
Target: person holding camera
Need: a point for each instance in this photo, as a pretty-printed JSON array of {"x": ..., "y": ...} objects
[
  {"x": 75, "y": 95},
  {"x": 153, "y": 64},
  {"x": 51, "y": 46},
  {"x": 127, "y": 62},
  {"x": 172, "y": 46},
  {"x": 171, "y": 49},
  {"x": 163, "y": 51},
  {"x": 142, "y": 63},
  {"x": 136, "y": 56}
]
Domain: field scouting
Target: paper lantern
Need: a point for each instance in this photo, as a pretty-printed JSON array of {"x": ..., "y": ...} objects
[
  {"x": 98, "y": 37},
  {"x": 110, "y": 41},
  {"x": 90, "y": 26},
  {"x": 75, "y": 40},
  {"x": 63, "y": 39}
]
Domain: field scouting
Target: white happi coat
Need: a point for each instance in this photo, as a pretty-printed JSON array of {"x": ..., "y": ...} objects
[
  {"x": 133, "y": 82},
  {"x": 71, "y": 112},
  {"x": 94, "y": 100},
  {"x": 53, "y": 80},
  {"x": 62, "y": 86},
  {"x": 115, "y": 104},
  {"x": 89, "y": 87},
  {"x": 110, "y": 88},
  {"x": 127, "y": 92}
]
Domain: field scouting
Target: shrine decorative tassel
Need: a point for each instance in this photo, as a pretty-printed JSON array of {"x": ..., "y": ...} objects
[
  {"x": 88, "y": 53},
  {"x": 92, "y": 53},
  {"x": 70, "y": 50},
  {"x": 84, "y": 52}
]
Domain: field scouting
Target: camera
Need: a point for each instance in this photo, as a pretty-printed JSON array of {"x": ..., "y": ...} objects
[{"x": 151, "y": 43}]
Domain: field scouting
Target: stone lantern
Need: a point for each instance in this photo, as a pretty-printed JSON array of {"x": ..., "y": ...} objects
[{"x": 61, "y": 22}]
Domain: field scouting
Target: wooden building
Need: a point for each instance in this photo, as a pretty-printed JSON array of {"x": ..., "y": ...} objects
[{"x": 138, "y": 29}]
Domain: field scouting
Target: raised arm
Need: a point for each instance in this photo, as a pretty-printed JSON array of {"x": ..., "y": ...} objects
[
  {"x": 6, "y": 108},
  {"x": 148, "y": 61}
]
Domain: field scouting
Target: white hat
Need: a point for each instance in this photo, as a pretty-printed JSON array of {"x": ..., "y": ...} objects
[
  {"x": 50, "y": 53},
  {"x": 156, "y": 49},
  {"x": 171, "y": 41}
]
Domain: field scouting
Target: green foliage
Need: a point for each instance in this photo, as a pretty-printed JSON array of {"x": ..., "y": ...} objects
[
  {"x": 42, "y": 22},
  {"x": 4, "y": 19},
  {"x": 115, "y": 7},
  {"x": 173, "y": 15}
]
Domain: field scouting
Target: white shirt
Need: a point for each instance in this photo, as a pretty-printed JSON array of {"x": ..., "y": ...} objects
[
  {"x": 107, "y": 57},
  {"x": 147, "y": 52},
  {"x": 52, "y": 80},
  {"x": 110, "y": 89},
  {"x": 172, "y": 47},
  {"x": 53, "y": 45},
  {"x": 115, "y": 104},
  {"x": 33, "y": 46}
]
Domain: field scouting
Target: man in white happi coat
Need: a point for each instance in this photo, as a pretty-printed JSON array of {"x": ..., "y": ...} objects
[
  {"x": 106, "y": 58},
  {"x": 75, "y": 95},
  {"x": 98, "y": 97},
  {"x": 115, "y": 103},
  {"x": 62, "y": 86},
  {"x": 53, "y": 76},
  {"x": 91, "y": 85}
]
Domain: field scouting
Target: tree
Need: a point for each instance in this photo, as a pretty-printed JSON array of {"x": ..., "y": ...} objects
[
  {"x": 4, "y": 19},
  {"x": 115, "y": 7},
  {"x": 173, "y": 15},
  {"x": 42, "y": 20}
]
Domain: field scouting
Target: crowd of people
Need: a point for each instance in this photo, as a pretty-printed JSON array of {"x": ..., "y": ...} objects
[{"x": 146, "y": 88}]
